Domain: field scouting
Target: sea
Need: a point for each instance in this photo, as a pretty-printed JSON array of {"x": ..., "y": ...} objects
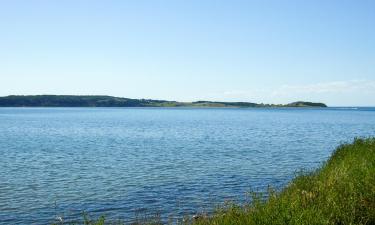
[{"x": 130, "y": 163}]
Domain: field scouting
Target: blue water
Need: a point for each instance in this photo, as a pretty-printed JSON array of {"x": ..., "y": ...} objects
[{"x": 123, "y": 162}]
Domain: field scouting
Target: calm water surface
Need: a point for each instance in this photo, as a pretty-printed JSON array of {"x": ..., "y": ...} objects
[{"x": 122, "y": 162}]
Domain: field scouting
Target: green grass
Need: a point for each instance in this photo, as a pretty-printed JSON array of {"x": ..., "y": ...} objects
[{"x": 342, "y": 191}]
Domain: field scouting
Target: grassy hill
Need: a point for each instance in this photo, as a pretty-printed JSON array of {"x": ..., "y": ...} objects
[
  {"x": 306, "y": 104},
  {"x": 109, "y": 101}
]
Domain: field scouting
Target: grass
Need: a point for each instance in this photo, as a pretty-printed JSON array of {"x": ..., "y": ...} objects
[{"x": 342, "y": 191}]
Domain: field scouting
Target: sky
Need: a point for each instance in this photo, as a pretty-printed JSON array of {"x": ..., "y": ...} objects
[{"x": 254, "y": 51}]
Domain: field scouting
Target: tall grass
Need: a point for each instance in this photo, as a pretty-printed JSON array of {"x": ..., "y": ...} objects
[{"x": 341, "y": 192}]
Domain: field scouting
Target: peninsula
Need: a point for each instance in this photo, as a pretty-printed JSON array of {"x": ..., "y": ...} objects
[{"x": 110, "y": 101}]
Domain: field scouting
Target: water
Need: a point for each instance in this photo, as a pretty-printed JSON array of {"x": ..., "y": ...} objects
[{"x": 126, "y": 161}]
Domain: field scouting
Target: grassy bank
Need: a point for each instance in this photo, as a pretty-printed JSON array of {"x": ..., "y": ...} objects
[{"x": 342, "y": 191}]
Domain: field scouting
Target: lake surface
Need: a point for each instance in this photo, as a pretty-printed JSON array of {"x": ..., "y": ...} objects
[{"x": 123, "y": 162}]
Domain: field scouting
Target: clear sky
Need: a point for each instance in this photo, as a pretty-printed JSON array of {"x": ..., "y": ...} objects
[{"x": 256, "y": 51}]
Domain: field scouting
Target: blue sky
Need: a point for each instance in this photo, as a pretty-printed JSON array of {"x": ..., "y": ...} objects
[{"x": 257, "y": 51}]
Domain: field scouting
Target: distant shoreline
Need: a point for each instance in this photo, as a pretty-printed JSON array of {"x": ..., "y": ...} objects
[{"x": 110, "y": 101}]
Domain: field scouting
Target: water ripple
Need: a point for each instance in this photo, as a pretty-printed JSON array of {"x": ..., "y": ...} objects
[{"x": 125, "y": 162}]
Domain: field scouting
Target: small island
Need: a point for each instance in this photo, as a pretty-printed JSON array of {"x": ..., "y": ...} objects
[{"x": 110, "y": 101}]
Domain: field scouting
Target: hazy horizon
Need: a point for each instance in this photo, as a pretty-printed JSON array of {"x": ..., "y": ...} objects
[{"x": 250, "y": 51}]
